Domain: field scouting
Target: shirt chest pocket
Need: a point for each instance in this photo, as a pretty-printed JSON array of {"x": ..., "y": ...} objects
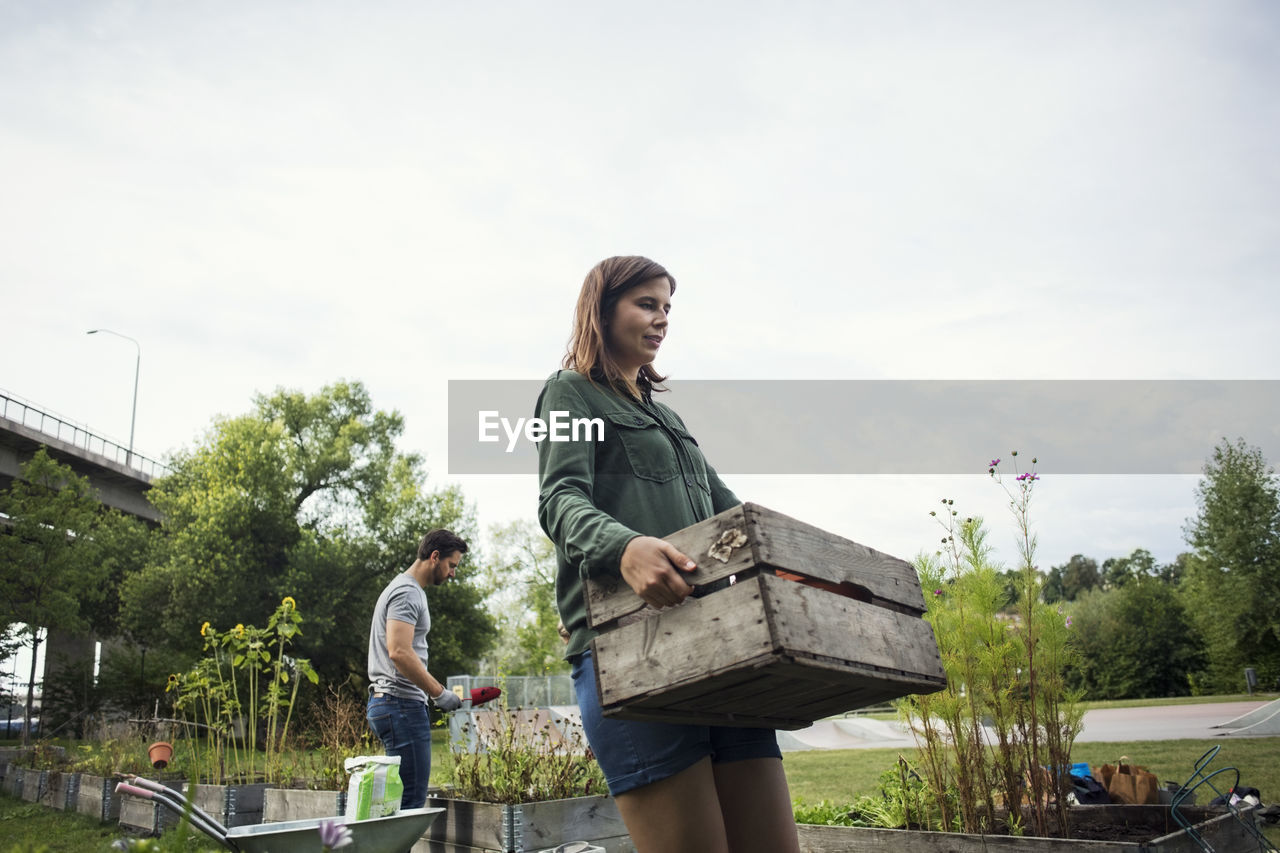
[{"x": 650, "y": 451}]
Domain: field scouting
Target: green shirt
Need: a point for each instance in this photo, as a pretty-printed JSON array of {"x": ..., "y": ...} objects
[{"x": 645, "y": 476}]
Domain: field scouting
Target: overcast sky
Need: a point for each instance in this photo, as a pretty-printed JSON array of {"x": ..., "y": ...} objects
[{"x": 272, "y": 194}]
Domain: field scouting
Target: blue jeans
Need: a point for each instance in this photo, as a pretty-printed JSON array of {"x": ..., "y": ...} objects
[{"x": 404, "y": 727}]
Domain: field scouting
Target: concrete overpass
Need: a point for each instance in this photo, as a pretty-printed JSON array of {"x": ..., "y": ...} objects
[{"x": 121, "y": 478}]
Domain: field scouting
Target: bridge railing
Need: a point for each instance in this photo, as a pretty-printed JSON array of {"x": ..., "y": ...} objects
[{"x": 23, "y": 412}]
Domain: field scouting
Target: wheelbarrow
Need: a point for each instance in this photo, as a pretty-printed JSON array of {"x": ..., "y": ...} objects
[{"x": 390, "y": 834}]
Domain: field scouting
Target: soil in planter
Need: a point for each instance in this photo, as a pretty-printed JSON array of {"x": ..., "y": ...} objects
[{"x": 1118, "y": 823}]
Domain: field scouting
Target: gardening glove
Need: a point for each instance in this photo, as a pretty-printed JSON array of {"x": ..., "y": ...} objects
[{"x": 447, "y": 701}]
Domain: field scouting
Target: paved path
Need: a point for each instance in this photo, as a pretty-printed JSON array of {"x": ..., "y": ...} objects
[{"x": 1166, "y": 722}]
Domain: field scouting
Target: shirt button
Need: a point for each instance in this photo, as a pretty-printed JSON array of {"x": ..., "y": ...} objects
[{"x": 639, "y": 421}]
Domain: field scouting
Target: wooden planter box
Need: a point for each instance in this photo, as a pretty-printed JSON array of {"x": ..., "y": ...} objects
[
  {"x": 1161, "y": 834},
  {"x": 63, "y": 788},
  {"x": 9, "y": 755},
  {"x": 467, "y": 826},
  {"x": 33, "y": 784},
  {"x": 840, "y": 628},
  {"x": 281, "y": 804},
  {"x": 97, "y": 797},
  {"x": 230, "y": 805},
  {"x": 147, "y": 816}
]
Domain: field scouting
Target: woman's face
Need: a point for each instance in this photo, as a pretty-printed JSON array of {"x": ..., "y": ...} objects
[{"x": 635, "y": 329}]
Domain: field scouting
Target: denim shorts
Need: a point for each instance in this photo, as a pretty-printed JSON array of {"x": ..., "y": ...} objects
[{"x": 633, "y": 753}]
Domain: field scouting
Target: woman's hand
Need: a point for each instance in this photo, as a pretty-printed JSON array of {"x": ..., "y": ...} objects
[{"x": 651, "y": 567}]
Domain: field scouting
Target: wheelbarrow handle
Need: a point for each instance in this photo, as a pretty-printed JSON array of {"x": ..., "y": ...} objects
[
  {"x": 133, "y": 790},
  {"x": 178, "y": 804},
  {"x": 141, "y": 782}
]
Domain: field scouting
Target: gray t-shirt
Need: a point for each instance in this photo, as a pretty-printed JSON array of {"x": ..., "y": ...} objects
[{"x": 404, "y": 601}]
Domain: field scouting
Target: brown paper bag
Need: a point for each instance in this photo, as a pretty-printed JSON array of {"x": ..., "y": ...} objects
[
  {"x": 1105, "y": 772},
  {"x": 1131, "y": 784}
]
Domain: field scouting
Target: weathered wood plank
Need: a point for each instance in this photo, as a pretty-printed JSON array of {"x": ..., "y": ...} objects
[
  {"x": 609, "y": 598},
  {"x": 467, "y": 823},
  {"x": 467, "y": 826},
  {"x": 791, "y": 545},
  {"x": 808, "y": 621},
  {"x": 683, "y": 644},
  {"x": 548, "y": 824},
  {"x": 848, "y": 839}
]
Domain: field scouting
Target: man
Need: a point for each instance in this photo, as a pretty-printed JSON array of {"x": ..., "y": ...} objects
[{"x": 399, "y": 682}]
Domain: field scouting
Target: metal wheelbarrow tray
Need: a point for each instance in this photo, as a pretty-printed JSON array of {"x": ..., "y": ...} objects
[{"x": 390, "y": 834}]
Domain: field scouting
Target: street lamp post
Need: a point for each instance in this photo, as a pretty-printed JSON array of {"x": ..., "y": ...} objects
[{"x": 137, "y": 367}]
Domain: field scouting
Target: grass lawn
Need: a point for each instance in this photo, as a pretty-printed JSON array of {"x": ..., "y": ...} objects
[{"x": 842, "y": 775}]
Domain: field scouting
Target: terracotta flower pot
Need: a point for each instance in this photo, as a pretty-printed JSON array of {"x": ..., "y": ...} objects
[{"x": 159, "y": 754}]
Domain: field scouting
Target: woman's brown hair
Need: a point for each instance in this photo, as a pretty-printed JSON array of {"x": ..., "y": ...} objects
[{"x": 601, "y": 290}]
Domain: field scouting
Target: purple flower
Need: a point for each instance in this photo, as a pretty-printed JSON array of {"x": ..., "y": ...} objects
[
  {"x": 937, "y": 592},
  {"x": 334, "y": 834},
  {"x": 994, "y": 462},
  {"x": 1068, "y": 621}
]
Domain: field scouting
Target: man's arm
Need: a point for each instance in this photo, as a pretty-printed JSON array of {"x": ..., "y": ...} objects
[{"x": 400, "y": 649}]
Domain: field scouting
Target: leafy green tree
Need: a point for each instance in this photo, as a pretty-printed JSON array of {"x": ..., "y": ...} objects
[
  {"x": 305, "y": 496},
  {"x": 1173, "y": 573},
  {"x": 1136, "y": 641},
  {"x": 52, "y": 571},
  {"x": 1232, "y": 586},
  {"x": 1117, "y": 571},
  {"x": 1080, "y": 574},
  {"x": 521, "y": 587}
]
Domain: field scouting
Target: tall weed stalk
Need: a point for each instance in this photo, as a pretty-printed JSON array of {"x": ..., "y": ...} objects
[{"x": 1002, "y": 730}]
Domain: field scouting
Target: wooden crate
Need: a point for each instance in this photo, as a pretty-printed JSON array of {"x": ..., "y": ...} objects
[{"x": 788, "y": 624}]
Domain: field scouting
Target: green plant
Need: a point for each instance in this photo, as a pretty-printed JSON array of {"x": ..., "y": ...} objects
[
  {"x": 825, "y": 813},
  {"x": 105, "y": 757},
  {"x": 1004, "y": 676},
  {"x": 245, "y": 675},
  {"x": 343, "y": 732},
  {"x": 523, "y": 757}
]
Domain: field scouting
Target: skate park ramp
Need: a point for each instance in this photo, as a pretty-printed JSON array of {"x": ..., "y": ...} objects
[
  {"x": 846, "y": 733},
  {"x": 1260, "y": 721}
]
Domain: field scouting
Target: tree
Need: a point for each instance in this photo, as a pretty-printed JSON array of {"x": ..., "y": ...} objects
[
  {"x": 1232, "y": 585},
  {"x": 520, "y": 581},
  {"x": 1135, "y": 641},
  {"x": 305, "y": 496},
  {"x": 1117, "y": 571},
  {"x": 51, "y": 568}
]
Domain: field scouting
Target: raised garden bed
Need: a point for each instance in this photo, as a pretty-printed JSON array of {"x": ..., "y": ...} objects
[
  {"x": 281, "y": 804},
  {"x": 96, "y": 797},
  {"x": 1094, "y": 828},
  {"x": 468, "y": 826}
]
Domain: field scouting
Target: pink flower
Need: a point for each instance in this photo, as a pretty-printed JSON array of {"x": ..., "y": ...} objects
[{"x": 334, "y": 834}]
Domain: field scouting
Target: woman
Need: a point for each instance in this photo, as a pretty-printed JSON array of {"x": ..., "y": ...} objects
[{"x": 605, "y": 503}]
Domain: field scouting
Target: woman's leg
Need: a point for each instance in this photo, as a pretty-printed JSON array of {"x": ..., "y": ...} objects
[
  {"x": 756, "y": 806},
  {"x": 679, "y": 814}
]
